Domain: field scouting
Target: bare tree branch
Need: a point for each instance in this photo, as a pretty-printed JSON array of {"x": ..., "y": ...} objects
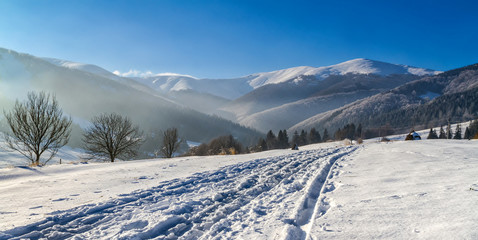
[
  {"x": 171, "y": 142},
  {"x": 37, "y": 126},
  {"x": 112, "y": 136}
]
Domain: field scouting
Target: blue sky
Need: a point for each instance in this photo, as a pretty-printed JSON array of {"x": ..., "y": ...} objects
[{"x": 221, "y": 39}]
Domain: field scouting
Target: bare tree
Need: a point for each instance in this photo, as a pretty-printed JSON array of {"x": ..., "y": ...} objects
[
  {"x": 171, "y": 142},
  {"x": 37, "y": 126},
  {"x": 112, "y": 136}
]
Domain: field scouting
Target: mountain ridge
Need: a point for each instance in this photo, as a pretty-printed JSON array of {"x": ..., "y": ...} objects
[
  {"x": 406, "y": 106},
  {"x": 83, "y": 95},
  {"x": 245, "y": 84}
]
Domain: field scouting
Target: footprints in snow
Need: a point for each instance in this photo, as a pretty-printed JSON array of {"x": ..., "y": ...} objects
[{"x": 177, "y": 208}]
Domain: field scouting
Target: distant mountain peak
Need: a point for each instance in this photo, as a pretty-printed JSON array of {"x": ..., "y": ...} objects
[{"x": 368, "y": 66}]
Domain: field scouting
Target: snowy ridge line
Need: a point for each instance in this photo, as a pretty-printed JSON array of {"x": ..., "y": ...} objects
[
  {"x": 311, "y": 200},
  {"x": 192, "y": 207}
]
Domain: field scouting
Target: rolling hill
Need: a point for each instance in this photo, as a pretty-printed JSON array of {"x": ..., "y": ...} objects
[
  {"x": 451, "y": 96},
  {"x": 84, "y": 91}
]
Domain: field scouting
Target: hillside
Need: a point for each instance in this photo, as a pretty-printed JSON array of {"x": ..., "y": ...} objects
[
  {"x": 84, "y": 94},
  {"x": 430, "y": 101},
  {"x": 282, "y": 105},
  {"x": 234, "y": 88}
]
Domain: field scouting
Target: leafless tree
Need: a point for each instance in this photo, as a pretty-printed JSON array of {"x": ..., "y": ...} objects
[
  {"x": 171, "y": 142},
  {"x": 112, "y": 136},
  {"x": 37, "y": 126}
]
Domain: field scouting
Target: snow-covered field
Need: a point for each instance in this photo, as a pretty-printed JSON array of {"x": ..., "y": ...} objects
[{"x": 400, "y": 190}]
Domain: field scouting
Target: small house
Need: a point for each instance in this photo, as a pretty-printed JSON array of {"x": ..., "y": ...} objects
[{"x": 413, "y": 136}]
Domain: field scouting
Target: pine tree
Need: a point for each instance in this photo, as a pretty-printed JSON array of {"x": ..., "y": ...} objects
[
  {"x": 325, "y": 136},
  {"x": 303, "y": 137},
  {"x": 296, "y": 138},
  {"x": 473, "y": 128},
  {"x": 442, "y": 133},
  {"x": 467, "y": 134},
  {"x": 457, "y": 132},
  {"x": 282, "y": 139},
  {"x": 271, "y": 140},
  {"x": 449, "y": 132},
  {"x": 314, "y": 136},
  {"x": 286, "y": 139},
  {"x": 338, "y": 134},
  {"x": 432, "y": 134},
  {"x": 262, "y": 145}
]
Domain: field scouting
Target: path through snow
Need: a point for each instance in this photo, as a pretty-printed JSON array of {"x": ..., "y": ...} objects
[{"x": 272, "y": 197}]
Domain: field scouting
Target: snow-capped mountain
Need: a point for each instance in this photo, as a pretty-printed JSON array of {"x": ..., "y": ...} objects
[
  {"x": 268, "y": 100},
  {"x": 263, "y": 100},
  {"x": 356, "y": 66},
  {"x": 433, "y": 100},
  {"x": 279, "y": 106},
  {"x": 236, "y": 87},
  {"x": 224, "y": 88},
  {"x": 99, "y": 71}
]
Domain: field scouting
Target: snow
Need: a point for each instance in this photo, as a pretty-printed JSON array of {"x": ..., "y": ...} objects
[
  {"x": 90, "y": 68},
  {"x": 11, "y": 159},
  {"x": 236, "y": 87},
  {"x": 404, "y": 190},
  {"x": 357, "y": 66},
  {"x": 396, "y": 190}
]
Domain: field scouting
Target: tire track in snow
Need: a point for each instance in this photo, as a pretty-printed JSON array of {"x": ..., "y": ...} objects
[
  {"x": 187, "y": 208},
  {"x": 322, "y": 205},
  {"x": 313, "y": 202}
]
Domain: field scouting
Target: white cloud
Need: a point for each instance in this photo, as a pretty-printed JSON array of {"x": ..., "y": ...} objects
[{"x": 138, "y": 73}]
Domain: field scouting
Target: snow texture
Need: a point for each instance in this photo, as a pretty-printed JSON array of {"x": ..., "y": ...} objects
[{"x": 396, "y": 190}]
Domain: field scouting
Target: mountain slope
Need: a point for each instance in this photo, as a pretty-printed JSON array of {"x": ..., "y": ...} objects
[
  {"x": 84, "y": 94},
  {"x": 280, "y": 106},
  {"x": 279, "y": 99},
  {"x": 237, "y": 87},
  {"x": 455, "y": 95}
]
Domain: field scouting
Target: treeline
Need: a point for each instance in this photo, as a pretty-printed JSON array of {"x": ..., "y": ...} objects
[
  {"x": 471, "y": 132},
  {"x": 224, "y": 145},
  {"x": 457, "y": 107},
  {"x": 282, "y": 140}
]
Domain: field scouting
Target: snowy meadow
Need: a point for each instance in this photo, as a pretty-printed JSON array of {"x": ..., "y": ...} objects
[{"x": 415, "y": 189}]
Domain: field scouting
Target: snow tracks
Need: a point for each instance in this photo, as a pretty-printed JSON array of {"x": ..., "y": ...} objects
[{"x": 265, "y": 198}]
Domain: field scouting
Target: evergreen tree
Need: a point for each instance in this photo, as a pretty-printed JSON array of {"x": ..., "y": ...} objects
[
  {"x": 457, "y": 132},
  {"x": 295, "y": 138},
  {"x": 467, "y": 134},
  {"x": 271, "y": 140},
  {"x": 282, "y": 139},
  {"x": 262, "y": 145},
  {"x": 325, "y": 136},
  {"x": 432, "y": 134},
  {"x": 338, "y": 134},
  {"x": 473, "y": 128},
  {"x": 442, "y": 133},
  {"x": 449, "y": 132},
  {"x": 286, "y": 139},
  {"x": 303, "y": 137},
  {"x": 314, "y": 136}
]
